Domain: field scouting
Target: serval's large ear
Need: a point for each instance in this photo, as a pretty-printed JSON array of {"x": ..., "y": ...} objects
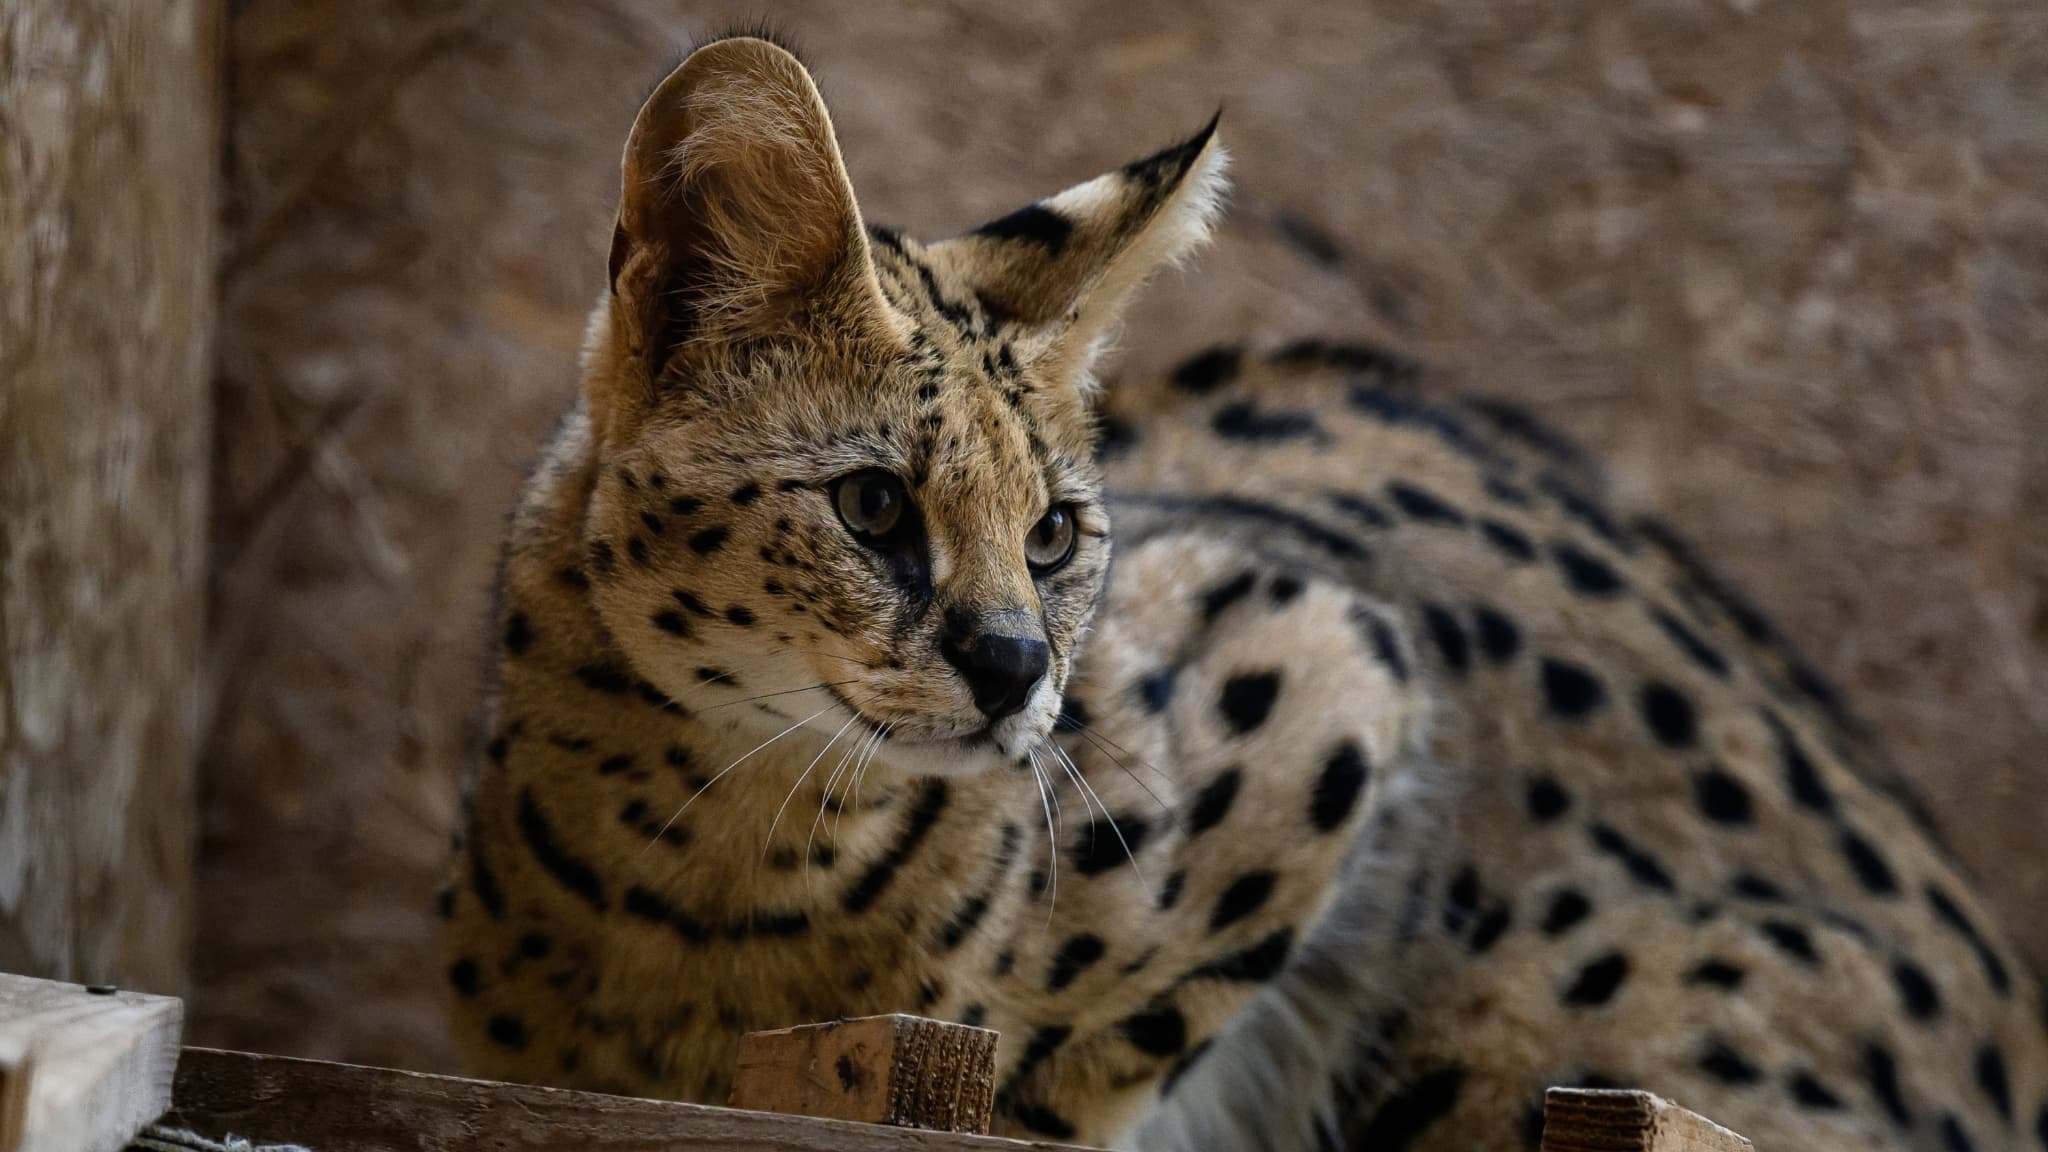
[
  {"x": 1068, "y": 264},
  {"x": 736, "y": 219}
]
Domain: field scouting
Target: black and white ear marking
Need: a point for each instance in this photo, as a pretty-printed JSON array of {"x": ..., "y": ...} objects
[{"x": 1069, "y": 263}]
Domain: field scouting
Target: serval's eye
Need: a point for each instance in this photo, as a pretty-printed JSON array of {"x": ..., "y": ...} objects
[
  {"x": 872, "y": 504},
  {"x": 1050, "y": 543}
]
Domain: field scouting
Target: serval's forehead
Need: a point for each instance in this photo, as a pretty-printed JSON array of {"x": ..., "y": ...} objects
[{"x": 972, "y": 368}]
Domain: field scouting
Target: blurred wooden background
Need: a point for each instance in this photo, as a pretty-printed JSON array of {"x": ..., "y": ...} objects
[{"x": 1784, "y": 264}]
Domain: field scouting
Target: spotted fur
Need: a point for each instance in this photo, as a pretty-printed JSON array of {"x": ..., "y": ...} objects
[{"x": 1396, "y": 779}]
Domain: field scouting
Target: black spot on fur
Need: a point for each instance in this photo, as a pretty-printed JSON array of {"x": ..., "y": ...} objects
[
  {"x": 1170, "y": 890},
  {"x": 741, "y": 616},
  {"x": 1285, "y": 589},
  {"x": 1449, "y": 637},
  {"x": 1567, "y": 909},
  {"x": 672, "y": 622},
  {"x": 708, "y": 541},
  {"x": 1155, "y": 691},
  {"x": 1076, "y": 956},
  {"x": 1721, "y": 797},
  {"x": 1586, "y": 574},
  {"x": 506, "y": 1031},
  {"x": 1499, "y": 638},
  {"x": 1042, "y": 1120},
  {"x": 648, "y": 905},
  {"x": 691, "y": 603},
  {"x": 1247, "y": 699},
  {"x": 1643, "y": 868},
  {"x": 1245, "y": 421},
  {"x": 484, "y": 882},
  {"x": 1547, "y": 799},
  {"x": 1361, "y": 509},
  {"x": 1689, "y": 642},
  {"x": 931, "y": 803},
  {"x": 1669, "y": 715},
  {"x": 1245, "y": 896},
  {"x": 1716, "y": 974},
  {"x": 1809, "y": 1092},
  {"x": 1950, "y": 913},
  {"x": 518, "y": 634},
  {"x": 606, "y": 678},
  {"x": 572, "y": 873},
  {"x": 535, "y": 945},
  {"x": 1343, "y": 780},
  {"x": 685, "y": 505},
  {"x": 1424, "y": 506},
  {"x": 1397, "y": 1124},
  {"x": 1750, "y": 886},
  {"x": 464, "y": 978},
  {"x": 1385, "y": 644},
  {"x": 1721, "y": 1061},
  {"x": 1493, "y": 923},
  {"x": 1868, "y": 864},
  {"x": 1882, "y": 1070},
  {"x": 1257, "y": 964},
  {"x": 1032, "y": 224},
  {"x": 1100, "y": 848},
  {"x": 1216, "y": 601},
  {"x": 1993, "y": 1081},
  {"x": 1955, "y": 1136},
  {"x": 613, "y": 765},
  {"x": 1208, "y": 371},
  {"x": 1802, "y": 778},
  {"x": 1509, "y": 541},
  {"x": 1212, "y": 804},
  {"x": 1157, "y": 1031},
  {"x": 1570, "y": 690},
  {"x": 1917, "y": 993},
  {"x": 1792, "y": 940},
  {"x": 1597, "y": 982},
  {"x": 746, "y": 494},
  {"x": 637, "y": 549}
]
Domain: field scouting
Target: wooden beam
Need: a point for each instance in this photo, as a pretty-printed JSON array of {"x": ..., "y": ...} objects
[
  {"x": 1599, "y": 1120},
  {"x": 109, "y": 124},
  {"x": 346, "y": 1108},
  {"x": 82, "y": 1070},
  {"x": 908, "y": 1071}
]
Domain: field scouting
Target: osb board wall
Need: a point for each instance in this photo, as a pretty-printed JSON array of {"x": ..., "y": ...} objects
[{"x": 1786, "y": 264}]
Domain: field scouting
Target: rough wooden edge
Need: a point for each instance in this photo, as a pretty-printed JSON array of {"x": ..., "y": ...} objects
[
  {"x": 347, "y": 1108},
  {"x": 85, "y": 1069},
  {"x": 898, "y": 1069},
  {"x": 1606, "y": 1120}
]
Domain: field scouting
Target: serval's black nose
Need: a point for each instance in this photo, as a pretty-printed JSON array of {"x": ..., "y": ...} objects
[{"x": 1000, "y": 670}]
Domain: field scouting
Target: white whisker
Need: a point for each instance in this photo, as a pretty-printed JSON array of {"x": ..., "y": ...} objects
[
  {"x": 768, "y": 840},
  {"x": 729, "y": 767}
]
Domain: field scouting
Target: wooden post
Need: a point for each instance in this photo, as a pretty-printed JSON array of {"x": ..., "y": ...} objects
[
  {"x": 902, "y": 1070},
  {"x": 82, "y": 1069},
  {"x": 108, "y": 156},
  {"x": 1590, "y": 1120}
]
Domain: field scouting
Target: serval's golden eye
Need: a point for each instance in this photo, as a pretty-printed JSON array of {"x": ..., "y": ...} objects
[
  {"x": 873, "y": 506},
  {"x": 1050, "y": 543}
]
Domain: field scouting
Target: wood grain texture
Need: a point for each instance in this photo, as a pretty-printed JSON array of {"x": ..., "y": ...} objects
[
  {"x": 1590, "y": 1120},
  {"x": 82, "y": 1070},
  {"x": 347, "y": 1108},
  {"x": 108, "y": 161},
  {"x": 907, "y": 1071}
]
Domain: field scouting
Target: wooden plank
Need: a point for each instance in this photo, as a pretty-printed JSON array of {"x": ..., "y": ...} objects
[
  {"x": 909, "y": 1071},
  {"x": 1602, "y": 1120},
  {"x": 82, "y": 1070},
  {"x": 109, "y": 155},
  {"x": 347, "y": 1108}
]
